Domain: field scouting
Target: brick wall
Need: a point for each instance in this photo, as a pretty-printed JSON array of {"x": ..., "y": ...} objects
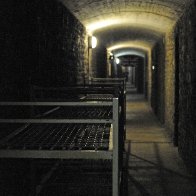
[
  {"x": 43, "y": 44},
  {"x": 187, "y": 92}
]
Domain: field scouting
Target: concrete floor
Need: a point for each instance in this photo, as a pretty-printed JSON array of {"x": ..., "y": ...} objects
[{"x": 153, "y": 164}]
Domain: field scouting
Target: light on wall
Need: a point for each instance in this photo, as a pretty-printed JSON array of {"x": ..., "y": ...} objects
[
  {"x": 117, "y": 61},
  {"x": 111, "y": 56},
  {"x": 92, "y": 42},
  {"x": 153, "y": 67}
]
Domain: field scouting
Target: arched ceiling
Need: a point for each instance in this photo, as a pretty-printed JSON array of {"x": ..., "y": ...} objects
[
  {"x": 129, "y": 51},
  {"x": 153, "y": 14},
  {"x": 128, "y": 37},
  {"x": 123, "y": 33},
  {"x": 128, "y": 23},
  {"x": 142, "y": 46}
]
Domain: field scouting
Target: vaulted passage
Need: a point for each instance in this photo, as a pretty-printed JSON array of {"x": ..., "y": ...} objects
[{"x": 145, "y": 48}]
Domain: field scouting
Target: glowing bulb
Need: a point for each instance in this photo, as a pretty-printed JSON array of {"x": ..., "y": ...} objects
[
  {"x": 153, "y": 67},
  {"x": 117, "y": 61},
  {"x": 93, "y": 42}
]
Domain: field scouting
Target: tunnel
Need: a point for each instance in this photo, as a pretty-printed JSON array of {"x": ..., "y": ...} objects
[{"x": 149, "y": 43}]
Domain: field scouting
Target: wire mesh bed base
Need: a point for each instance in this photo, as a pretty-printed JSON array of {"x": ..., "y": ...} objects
[
  {"x": 67, "y": 138},
  {"x": 59, "y": 137}
]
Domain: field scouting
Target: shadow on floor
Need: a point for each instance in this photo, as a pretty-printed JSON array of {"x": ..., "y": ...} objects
[{"x": 152, "y": 178}]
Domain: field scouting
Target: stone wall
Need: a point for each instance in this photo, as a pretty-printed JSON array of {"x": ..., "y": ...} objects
[
  {"x": 187, "y": 91},
  {"x": 158, "y": 76},
  {"x": 99, "y": 60},
  {"x": 169, "y": 81},
  {"x": 140, "y": 72},
  {"x": 43, "y": 44},
  {"x": 149, "y": 76}
]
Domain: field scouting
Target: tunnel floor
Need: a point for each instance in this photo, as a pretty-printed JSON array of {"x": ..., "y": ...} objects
[{"x": 153, "y": 165}]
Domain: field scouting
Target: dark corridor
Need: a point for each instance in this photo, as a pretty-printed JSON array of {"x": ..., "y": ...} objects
[{"x": 88, "y": 82}]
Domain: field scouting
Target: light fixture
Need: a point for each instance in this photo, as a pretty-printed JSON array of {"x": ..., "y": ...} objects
[
  {"x": 111, "y": 56},
  {"x": 92, "y": 42},
  {"x": 153, "y": 67},
  {"x": 117, "y": 61}
]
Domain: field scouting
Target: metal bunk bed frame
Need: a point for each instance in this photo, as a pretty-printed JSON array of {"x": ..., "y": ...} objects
[
  {"x": 114, "y": 82},
  {"x": 111, "y": 154},
  {"x": 110, "y": 81}
]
